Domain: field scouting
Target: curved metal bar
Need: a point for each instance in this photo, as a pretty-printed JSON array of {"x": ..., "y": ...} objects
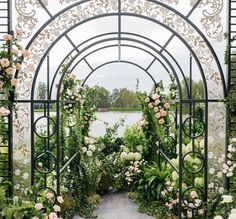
[
  {"x": 127, "y": 14},
  {"x": 153, "y": 1},
  {"x": 127, "y": 33},
  {"x": 117, "y": 61},
  {"x": 111, "y": 39},
  {"x": 125, "y": 45}
]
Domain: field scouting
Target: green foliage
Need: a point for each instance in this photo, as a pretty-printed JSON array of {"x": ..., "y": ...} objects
[
  {"x": 151, "y": 181},
  {"x": 197, "y": 89},
  {"x": 133, "y": 137},
  {"x": 124, "y": 98},
  {"x": 101, "y": 97},
  {"x": 41, "y": 91},
  {"x": 216, "y": 206}
]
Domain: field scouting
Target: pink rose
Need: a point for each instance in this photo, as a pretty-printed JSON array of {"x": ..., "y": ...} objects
[
  {"x": 157, "y": 102},
  {"x": 4, "y": 62},
  {"x": 163, "y": 113},
  {"x": 7, "y": 37},
  {"x": 53, "y": 215},
  {"x": 44, "y": 216},
  {"x": 18, "y": 66},
  {"x": 38, "y": 206},
  {"x": 19, "y": 32},
  {"x": 35, "y": 217},
  {"x": 57, "y": 208},
  {"x": 49, "y": 195},
  {"x": 4, "y": 111},
  {"x": 161, "y": 121},
  {"x": 60, "y": 199},
  {"x": 25, "y": 53},
  {"x": 156, "y": 109},
  {"x": 193, "y": 194},
  {"x": 158, "y": 115},
  {"x": 20, "y": 48},
  {"x": 10, "y": 71},
  {"x": 150, "y": 105},
  {"x": 167, "y": 105},
  {"x": 14, "y": 51},
  {"x": 14, "y": 82},
  {"x": 170, "y": 206}
]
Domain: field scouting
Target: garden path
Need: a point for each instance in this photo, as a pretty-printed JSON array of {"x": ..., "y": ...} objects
[{"x": 118, "y": 206}]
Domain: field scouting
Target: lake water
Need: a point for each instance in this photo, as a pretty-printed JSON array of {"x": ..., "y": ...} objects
[{"x": 99, "y": 126}]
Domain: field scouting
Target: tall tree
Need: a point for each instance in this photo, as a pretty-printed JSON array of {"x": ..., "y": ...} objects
[
  {"x": 41, "y": 91},
  {"x": 101, "y": 97},
  {"x": 124, "y": 98},
  {"x": 197, "y": 89}
]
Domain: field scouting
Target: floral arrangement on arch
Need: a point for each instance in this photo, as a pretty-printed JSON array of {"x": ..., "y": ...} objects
[{"x": 11, "y": 57}]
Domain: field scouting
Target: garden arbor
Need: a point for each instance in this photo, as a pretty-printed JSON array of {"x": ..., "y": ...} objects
[{"x": 164, "y": 32}]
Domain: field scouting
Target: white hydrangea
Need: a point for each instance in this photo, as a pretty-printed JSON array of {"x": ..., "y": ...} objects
[
  {"x": 137, "y": 156},
  {"x": 131, "y": 156},
  {"x": 175, "y": 175},
  {"x": 227, "y": 199},
  {"x": 140, "y": 148},
  {"x": 92, "y": 147},
  {"x": 123, "y": 156}
]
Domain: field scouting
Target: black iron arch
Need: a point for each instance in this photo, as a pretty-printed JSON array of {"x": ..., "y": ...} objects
[
  {"x": 117, "y": 61},
  {"x": 128, "y": 14},
  {"x": 112, "y": 39},
  {"x": 166, "y": 57},
  {"x": 126, "y": 33},
  {"x": 140, "y": 16},
  {"x": 113, "y": 45}
]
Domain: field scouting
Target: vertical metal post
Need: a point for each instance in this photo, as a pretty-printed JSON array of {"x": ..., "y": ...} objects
[
  {"x": 10, "y": 107},
  {"x": 119, "y": 30},
  {"x": 180, "y": 157},
  {"x": 58, "y": 145},
  {"x": 228, "y": 75}
]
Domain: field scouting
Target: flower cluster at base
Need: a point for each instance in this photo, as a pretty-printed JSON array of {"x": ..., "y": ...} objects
[
  {"x": 11, "y": 57},
  {"x": 43, "y": 212}
]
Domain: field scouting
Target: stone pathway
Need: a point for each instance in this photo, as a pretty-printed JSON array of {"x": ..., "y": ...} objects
[{"x": 118, "y": 206}]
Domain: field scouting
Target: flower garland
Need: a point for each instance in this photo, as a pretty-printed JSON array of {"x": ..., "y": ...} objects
[{"x": 11, "y": 57}]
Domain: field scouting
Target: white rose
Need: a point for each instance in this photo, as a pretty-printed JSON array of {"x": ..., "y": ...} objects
[
  {"x": 211, "y": 170},
  {"x": 227, "y": 198},
  {"x": 155, "y": 96},
  {"x": 221, "y": 190},
  {"x": 218, "y": 217},
  {"x": 163, "y": 193},
  {"x": 84, "y": 149},
  {"x": 89, "y": 153}
]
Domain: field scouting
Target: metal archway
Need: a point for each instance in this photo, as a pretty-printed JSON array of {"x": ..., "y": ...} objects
[{"x": 120, "y": 11}]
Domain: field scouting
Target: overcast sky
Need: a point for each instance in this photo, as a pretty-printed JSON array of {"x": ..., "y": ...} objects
[{"x": 122, "y": 75}]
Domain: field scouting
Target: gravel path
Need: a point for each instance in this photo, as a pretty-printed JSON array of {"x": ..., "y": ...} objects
[{"x": 118, "y": 206}]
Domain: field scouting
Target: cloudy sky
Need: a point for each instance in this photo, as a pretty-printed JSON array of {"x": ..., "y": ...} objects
[{"x": 120, "y": 75}]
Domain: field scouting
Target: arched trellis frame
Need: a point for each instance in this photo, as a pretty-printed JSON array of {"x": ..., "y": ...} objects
[{"x": 154, "y": 11}]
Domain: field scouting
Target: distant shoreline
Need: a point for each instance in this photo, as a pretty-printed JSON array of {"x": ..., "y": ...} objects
[{"x": 103, "y": 110}]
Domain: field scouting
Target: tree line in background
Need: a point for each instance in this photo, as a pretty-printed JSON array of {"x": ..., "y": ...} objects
[{"x": 123, "y": 97}]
